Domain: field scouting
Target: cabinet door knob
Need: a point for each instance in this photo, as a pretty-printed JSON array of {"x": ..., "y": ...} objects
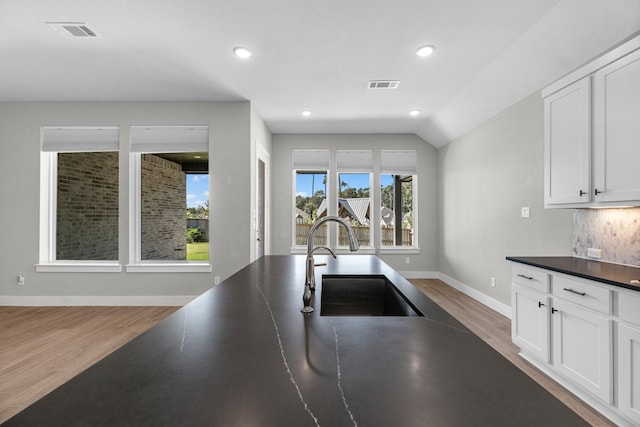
[
  {"x": 540, "y": 304},
  {"x": 582, "y": 193},
  {"x": 553, "y": 310},
  {"x": 596, "y": 191}
]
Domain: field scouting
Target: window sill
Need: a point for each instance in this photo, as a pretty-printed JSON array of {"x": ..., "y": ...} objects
[
  {"x": 341, "y": 251},
  {"x": 174, "y": 267},
  {"x": 362, "y": 251},
  {"x": 398, "y": 251},
  {"x": 79, "y": 267}
]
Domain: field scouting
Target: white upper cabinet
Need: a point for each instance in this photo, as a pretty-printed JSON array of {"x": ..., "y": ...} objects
[
  {"x": 592, "y": 133},
  {"x": 567, "y": 141},
  {"x": 617, "y": 130}
]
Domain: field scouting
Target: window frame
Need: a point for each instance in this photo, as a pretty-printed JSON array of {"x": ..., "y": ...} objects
[
  {"x": 146, "y": 145},
  {"x": 400, "y": 162},
  {"x": 414, "y": 248},
  {"x": 308, "y": 160},
  {"x": 375, "y": 173},
  {"x": 68, "y": 139}
]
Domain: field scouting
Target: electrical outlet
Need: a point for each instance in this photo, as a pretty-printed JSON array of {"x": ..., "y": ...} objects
[
  {"x": 594, "y": 253},
  {"x": 407, "y": 260},
  {"x": 493, "y": 282},
  {"x": 21, "y": 279},
  {"x": 525, "y": 212},
  {"x": 216, "y": 280}
]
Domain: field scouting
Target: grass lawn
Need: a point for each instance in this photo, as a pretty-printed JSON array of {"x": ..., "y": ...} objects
[{"x": 198, "y": 251}]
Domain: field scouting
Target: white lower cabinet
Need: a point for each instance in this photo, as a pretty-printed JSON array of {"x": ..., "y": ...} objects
[
  {"x": 530, "y": 324},
  {"x": 629, "y": 372},
  {"x": 582, "y": 348},
  {"x": 565, "y": 326}
]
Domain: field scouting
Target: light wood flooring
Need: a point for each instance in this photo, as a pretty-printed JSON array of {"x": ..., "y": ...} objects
[{"x": 43, "y": 347}]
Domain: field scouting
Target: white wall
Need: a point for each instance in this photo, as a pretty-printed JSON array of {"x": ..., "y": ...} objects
[
  {"x": 229, "y": 125},
  {"x": 485, "y": 177},
  {"x": 283, "y": 191}
]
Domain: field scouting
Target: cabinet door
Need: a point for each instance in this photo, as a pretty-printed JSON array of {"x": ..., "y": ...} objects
[
  {"x": 582, "y": 348},
  {"x": 617, "y": 130},
  {"x": 567, "y": 144},
  {"x": 629, "y": 372},
  {"x": 530, "y": 322}
]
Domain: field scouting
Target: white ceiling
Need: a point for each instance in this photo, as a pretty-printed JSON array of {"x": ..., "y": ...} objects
[{"x": 311, "y": 54}]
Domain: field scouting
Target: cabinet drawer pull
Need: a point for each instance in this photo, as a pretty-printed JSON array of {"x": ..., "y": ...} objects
[
  {"x": 574, "y": 292},
  {"x": 540, "y": 304},
  {"x": 525, "y": 277}
]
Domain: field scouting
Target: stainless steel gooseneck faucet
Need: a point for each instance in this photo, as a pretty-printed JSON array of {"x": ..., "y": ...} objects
[{"x": 310, "y": 281}]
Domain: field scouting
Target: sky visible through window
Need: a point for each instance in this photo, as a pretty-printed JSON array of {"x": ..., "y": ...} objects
[
  {"x": 197, "y": 190},
  {"x": 306, "y": 184}
]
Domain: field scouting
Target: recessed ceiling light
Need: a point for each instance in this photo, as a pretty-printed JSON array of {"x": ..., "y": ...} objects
[
  {"x": 242, "y": 52},
  {"x": 305, "y": 113},
  {"x": 414, "y": 113},
  {"x": 424, "y": 51}
]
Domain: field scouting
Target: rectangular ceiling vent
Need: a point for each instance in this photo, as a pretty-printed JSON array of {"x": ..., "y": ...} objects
[
  {"x": 73, "y": 29},
  {"x": 383, "y": 84}
]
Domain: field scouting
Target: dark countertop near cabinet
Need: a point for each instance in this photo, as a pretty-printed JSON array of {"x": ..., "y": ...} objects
[
  {"x": 599, "y": 271},
  {"x": 243, "y": 354}
]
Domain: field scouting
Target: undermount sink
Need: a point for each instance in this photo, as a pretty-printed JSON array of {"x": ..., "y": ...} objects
[{"x": 363, "y": 295}]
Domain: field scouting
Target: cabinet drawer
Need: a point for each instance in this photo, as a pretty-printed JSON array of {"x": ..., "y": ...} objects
[
  {"x": 582, "y": 293},
  {"x": 629, "y": 308},
  {"x": 530, "y": 277}
]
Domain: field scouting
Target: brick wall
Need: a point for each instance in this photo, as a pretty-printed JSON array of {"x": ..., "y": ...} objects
[
  {"x": 164, "y": 204},
  {"x": 87, "y": 206}
]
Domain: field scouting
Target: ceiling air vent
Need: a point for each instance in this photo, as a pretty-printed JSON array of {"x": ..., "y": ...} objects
[
  {"x": 383, "y": 84},
  {"x": 73, "y": 29}
]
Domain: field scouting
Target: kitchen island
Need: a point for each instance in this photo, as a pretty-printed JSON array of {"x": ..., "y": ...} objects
[{"x": 243, "y": 354}]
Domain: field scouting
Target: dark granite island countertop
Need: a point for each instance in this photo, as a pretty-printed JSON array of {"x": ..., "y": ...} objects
[
  {"x": 242, "y": 354},
  {"x": 599, "y": 271}
]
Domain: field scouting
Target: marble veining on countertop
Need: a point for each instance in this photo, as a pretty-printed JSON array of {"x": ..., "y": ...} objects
[{"x": 243, "y": 354}]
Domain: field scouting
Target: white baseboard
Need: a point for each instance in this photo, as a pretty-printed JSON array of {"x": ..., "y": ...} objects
[
  {"x": 100, "y": 300},
  {"x": 492, "y": 303}
]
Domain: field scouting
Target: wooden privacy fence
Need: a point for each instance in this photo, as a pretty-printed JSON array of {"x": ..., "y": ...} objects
[{"x": 362, "y": 233}]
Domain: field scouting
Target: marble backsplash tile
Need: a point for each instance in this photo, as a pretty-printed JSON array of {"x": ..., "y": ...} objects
[{"x": 615, "y": 231}]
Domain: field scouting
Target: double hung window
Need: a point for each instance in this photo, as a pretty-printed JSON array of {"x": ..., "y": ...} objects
[
  {"x": 79, "y": 195},
  {"x": 310, "y": 178},
  {"x": 164, "y": 161},
  {"x": 354, "y": 202},
  {"x": 398, "y": 184}
]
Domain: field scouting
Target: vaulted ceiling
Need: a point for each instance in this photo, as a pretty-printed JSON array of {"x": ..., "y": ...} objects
[{"x": 315, "y": 55}]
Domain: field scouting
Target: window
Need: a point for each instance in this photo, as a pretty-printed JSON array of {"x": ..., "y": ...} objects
[
  {"x": 79, "y": 216},
  {"x": 310, "y": 186},
  {"x": 170, "y": 224},
  {"x": 378, "y": 199},
  {"x": 398, "y": 198},
  {"x": 354, "y": 194}
]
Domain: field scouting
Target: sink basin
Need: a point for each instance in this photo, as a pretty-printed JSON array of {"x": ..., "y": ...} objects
[{"x": 363, "y": 295}]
